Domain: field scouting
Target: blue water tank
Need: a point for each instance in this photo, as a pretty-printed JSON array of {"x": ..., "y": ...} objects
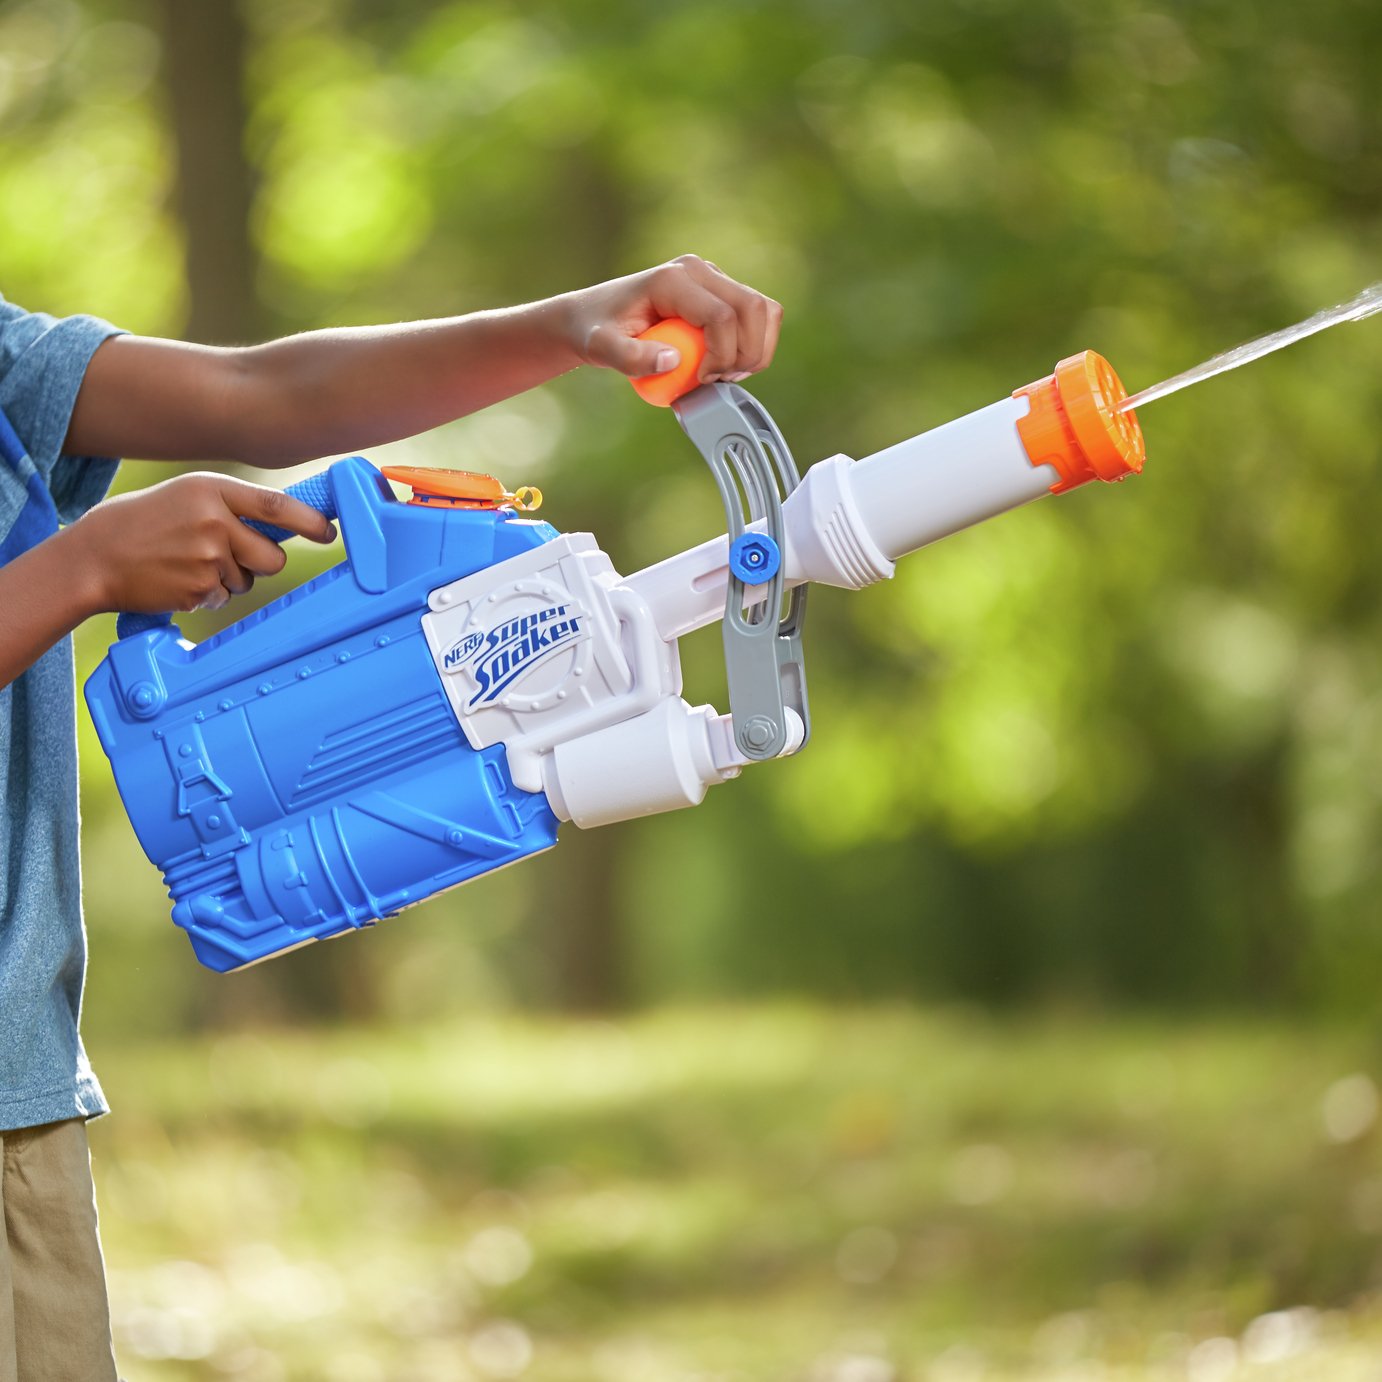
[{"x": 301, "y": 774}]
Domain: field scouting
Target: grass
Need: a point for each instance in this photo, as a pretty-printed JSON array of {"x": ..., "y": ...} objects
[{"x": 786, "y": 1193}]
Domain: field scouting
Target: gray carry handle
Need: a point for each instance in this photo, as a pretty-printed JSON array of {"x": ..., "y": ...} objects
[{"x": 753, "y": 469}]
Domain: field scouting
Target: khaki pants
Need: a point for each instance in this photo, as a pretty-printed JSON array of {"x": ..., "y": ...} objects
[{"x": 54, "y": 1316}]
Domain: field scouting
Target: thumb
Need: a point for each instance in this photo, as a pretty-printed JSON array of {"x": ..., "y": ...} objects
[{"x": 614, "y": 350}]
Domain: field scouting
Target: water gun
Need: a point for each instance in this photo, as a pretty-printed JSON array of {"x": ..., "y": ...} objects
[{"x": 468, "y": 678}]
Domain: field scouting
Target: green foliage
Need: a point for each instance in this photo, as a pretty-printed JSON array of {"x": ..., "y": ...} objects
[
  {"x": 1122, "y": 746},
  {"x": 83, "y": 164}
]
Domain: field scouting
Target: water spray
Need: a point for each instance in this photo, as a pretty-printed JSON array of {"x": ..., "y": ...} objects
[{"x": 1354, "y": 310}]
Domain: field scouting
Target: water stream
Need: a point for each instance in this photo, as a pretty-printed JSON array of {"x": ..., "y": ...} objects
[{"x": 1354, "y": 310}]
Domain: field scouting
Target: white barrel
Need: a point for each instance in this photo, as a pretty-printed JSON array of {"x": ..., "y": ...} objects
[
  {"x": 848, "y": 521},
  {"x": 947, "y": 479}
]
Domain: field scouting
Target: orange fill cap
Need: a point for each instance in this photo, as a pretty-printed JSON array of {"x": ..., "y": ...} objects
[{"x": 461, "y": 489}]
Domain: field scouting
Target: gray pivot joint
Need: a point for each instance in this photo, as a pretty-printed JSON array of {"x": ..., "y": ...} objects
[{"x": 754, "y": 471}]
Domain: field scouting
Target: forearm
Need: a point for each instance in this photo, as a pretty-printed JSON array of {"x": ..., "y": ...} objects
[
  {"x": 310, "y": 395},
  {"x": 338, "y": 390},
  {"x": 44, "y": 594},
  {"x": 330, "y": 391}
]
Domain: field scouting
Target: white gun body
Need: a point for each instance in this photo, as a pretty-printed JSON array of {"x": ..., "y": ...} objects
[{"x": 594, "y": 718}]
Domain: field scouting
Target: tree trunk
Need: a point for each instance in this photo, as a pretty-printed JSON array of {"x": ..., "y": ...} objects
[
  {"x": 204, "y": 43},
  {"x": 204, "y": 73},
  {"x": 580, "y": 932},
  {"x": 579, "y": 945}
]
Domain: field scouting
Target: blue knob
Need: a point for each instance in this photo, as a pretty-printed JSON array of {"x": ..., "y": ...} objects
[{"x": 754, "y": 558}]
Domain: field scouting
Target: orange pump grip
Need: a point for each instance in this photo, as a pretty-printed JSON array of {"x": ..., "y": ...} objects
[
  {"x": 1074, "y": 425},
  {"x": 663, "y": 390}
]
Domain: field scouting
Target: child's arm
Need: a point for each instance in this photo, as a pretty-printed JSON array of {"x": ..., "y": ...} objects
[
  {"x": 178, "y": 546},
  {"x": 339, "y": 390}
]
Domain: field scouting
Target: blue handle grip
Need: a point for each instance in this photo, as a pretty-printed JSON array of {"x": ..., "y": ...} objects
[{"x": 315, "y": 491}]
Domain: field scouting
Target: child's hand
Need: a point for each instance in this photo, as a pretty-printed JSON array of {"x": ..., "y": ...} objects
[
  {"x": 180, "y": 545},
  {"x": 741, "y": 325}
]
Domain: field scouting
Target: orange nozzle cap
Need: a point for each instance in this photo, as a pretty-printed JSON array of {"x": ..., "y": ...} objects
[
  {"x": 1074, "y": 424},
  {"x": 461, "y": 489},
  {"x": 664, "y": 389}
]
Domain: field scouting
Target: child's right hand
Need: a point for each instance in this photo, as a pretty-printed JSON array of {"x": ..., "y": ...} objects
[
  {"x": 603, "y": 325},
  {"x": 180, "y": 545}
]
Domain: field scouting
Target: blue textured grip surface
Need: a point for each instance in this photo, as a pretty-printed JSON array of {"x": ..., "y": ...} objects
[
  {"x": 315, "y": 491},
  {"x": 128, "y": 624}
]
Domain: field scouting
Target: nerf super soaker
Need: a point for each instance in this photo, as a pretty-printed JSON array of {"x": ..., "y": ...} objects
[{"x": 467, "y": 679}]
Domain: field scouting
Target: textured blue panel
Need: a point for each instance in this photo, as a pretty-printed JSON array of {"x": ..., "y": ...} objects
[{"x": 301, "y": 773}]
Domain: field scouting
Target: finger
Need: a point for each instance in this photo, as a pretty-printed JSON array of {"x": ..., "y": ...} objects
[
  {"x": 276, "y": 508},
  {"x": 608, "y": 346},
  {"x": 773, "y": 332},
  {"x": 759, "y": 319},
  {"x": 235, "y": 578},
  {"x": 750, "y": 307},
  {"x": 680, "y": 295},
  {"x": 215, "y": 598},
  {"x": 753, "y": 334},
  {"x": 256, "y": 553}
]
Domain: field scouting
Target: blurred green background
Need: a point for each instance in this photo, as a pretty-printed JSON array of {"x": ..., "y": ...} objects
[{"x": 1024, "y": 1025}]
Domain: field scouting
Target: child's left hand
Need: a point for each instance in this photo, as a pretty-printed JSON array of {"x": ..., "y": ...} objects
[{"x": 741, "y": 325}]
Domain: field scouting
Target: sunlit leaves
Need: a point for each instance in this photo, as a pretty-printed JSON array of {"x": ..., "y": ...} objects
[
  {"x": 948, "y": 198},
  {"x": 84, "y": 166}
]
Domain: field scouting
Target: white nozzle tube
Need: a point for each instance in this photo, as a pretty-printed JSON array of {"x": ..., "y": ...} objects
[
  {"x": 848, "y": 521},
  {"x": 949, "y": 478}
]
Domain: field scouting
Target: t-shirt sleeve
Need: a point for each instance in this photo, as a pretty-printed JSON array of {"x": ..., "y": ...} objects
[{"x": 43, "y": 360}]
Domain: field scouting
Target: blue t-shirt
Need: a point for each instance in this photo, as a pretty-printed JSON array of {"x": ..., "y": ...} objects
[{"x": 44, "y": 1074}]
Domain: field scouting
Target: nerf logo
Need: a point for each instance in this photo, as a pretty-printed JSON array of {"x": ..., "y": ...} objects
[
  {"x": 503, "y": 654},
  {"x": 467, "y": 647}
]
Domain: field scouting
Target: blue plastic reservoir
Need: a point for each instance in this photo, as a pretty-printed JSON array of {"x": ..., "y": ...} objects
[{"x": 301, "y": 773}]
